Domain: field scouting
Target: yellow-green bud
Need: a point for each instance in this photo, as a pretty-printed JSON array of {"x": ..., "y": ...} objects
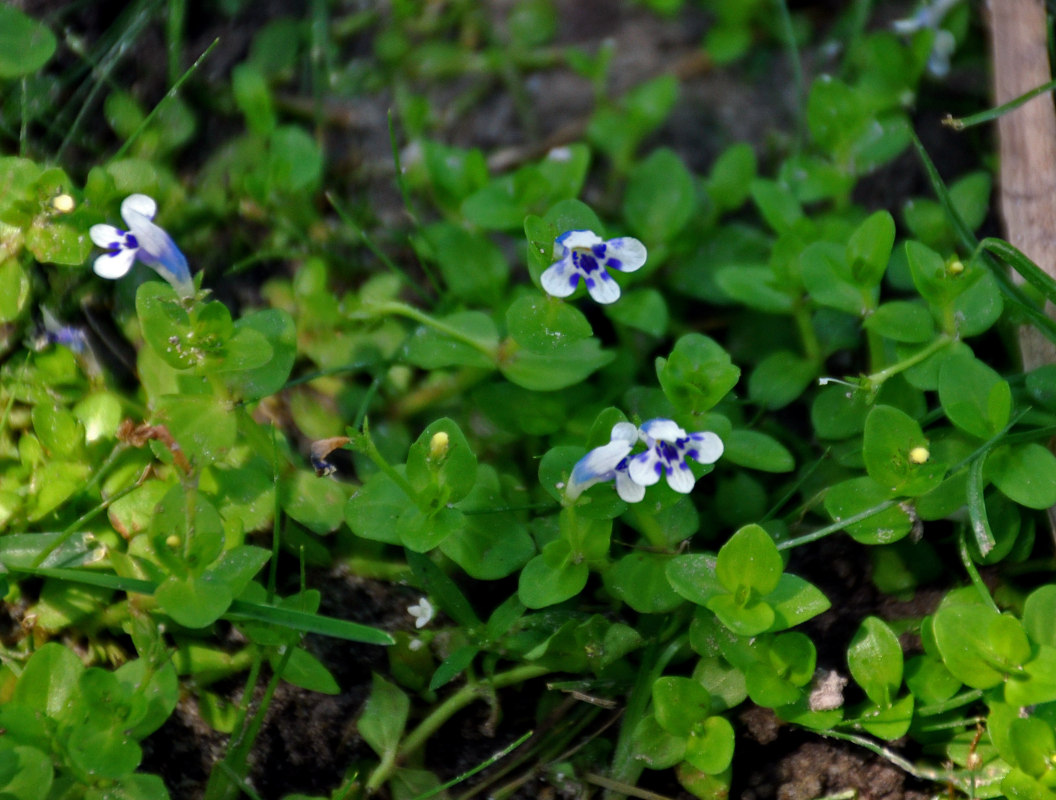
[
  {"x": 919, "y": 455},
  {"x": 63, "y": 203},
  {"x": 956, "y": 267},
  {"x": 438, "y": 446},
  {"x": 173, "y": 541}
]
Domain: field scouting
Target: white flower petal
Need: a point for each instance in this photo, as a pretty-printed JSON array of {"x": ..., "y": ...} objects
[
  {"x": 106, "y": 236},
  {"x": 573, "y": 239},
  {"x": 664, "y": 430},
  {"x": 643, "y": 468},
  {"x": 560, "y": 279},
  {"x": 625, "y": 431},
  {"x": 139, "y": 204},
  {"x": 680, "y": 477},
  {"x": 597, "y": 465},
  {"x": 624, "y": 254},
  {"x": 114, "y": 265},
  {"x": 627, "y": 489},
  {"x": 602, "y": 287},
  {"x": 706, "y": 447}
]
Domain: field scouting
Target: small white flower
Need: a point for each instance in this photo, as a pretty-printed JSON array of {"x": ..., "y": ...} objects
[
  {"x": 606, "y": 463},
  {"x": 669, "y": 446},
  {"x": 143, "y": 240},
  {"x": 422, "y": 611},
  {"x": 585, "y": 255}
]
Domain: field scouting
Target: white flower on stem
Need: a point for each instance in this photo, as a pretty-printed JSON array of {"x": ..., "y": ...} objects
[
  {"x": 143, "y": 240},
  {"x": 606, "y": 463},
  {"x": 669, "y": 447},
  {"x": 422, "y": 611},
  {"x": 585, "y": 255}
]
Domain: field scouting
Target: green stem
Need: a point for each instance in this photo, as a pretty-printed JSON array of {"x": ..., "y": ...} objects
[
  {"x": 973, "y": 573},
  {"x": 960, "y": 123},
  {"x": 364, "y": 443},
  {"x": 625, "y": 767},
  {"x": 807, "y": 334},
  {"x": 442, "y": 713},
  {"x": 396, "y": 308},
  {"x": 877, "y": 379}
]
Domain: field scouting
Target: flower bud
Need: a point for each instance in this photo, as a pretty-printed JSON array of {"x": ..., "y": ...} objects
[
  {"x": 919, "y": 455},
  {"x": 438, "y": 446},
  {"x": 63, "y": 203},
  {"x": 955, "y": 267}
]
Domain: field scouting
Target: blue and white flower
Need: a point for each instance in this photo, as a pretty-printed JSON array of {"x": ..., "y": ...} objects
[
  {"x": 143, "y": 240},
  {"x": 608, "y": 462},
  {"x": 668, "y": 448},
  {"x": 585, "y": 255},
  {"x": 929, "y": 17}
]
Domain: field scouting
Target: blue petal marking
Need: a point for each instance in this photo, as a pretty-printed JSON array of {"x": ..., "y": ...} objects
[
  {"x": 614, "y": 263},
  {"x": 599, "y": 249}
]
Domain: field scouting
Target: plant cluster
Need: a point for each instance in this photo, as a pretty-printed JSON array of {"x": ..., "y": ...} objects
[{"x": 611, "y": 495}]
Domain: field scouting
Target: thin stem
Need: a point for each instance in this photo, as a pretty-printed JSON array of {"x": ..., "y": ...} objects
[
  {"x": 960, "y": 123},
  {"x": 364, "y": 444},
  {"x": 169, "y": 94},
  {"x": 973, "y": 573},
  {"x": 877, "y": 378},
  {"x": 442, "y": 713},
  {"x": 396, "y": 308}
]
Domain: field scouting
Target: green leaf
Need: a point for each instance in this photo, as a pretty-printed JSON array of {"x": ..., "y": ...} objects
[
  {"x": 549, "y": 373},
  {"x": 891, "y": 447},
  {"x": 857, "y": 495},
  {"x": 827, "y": 277},
  {"x": 551, "y": 577},
  {"x": 280, "y": 333},
  {"x": 472, "y": 266},
  {"x": 656, "y": 747},
  {"x": 194, "y": 602},
  {"x": 33, "y": 773},
  {"x": 253, "y": 98},
  {"x": 890, "y": 722},
  {"x": 731, "y": 175},
  {"x": 432, "y": 349},
  {"x": 1038, "y": 619},
  {"x": 14, "y": 285},
  {"x": 751, "y": 560},
  {"x": 794, "y": 601},
  {"x": 693, "y": 576},
  {"x": 306, "y": 671},
  {"x": 697, "y": 375},
  {"x": 384, "y": 717},
  {"x": 441, "y": 464},
  {"x": 875, "y": 660},
  {"x": 776, "y": 203},
  {"x": 202, "y": 425},
  {"x": 974, "y": 397},
  {"x": 640, "y": 580},
  {"x": 545, "y": 324},
  {"x": 755, "y": 287},
  {"x": 680, "y": 704},
  {"x": 25, "y": 44},
  {"x": 902, "y": 321},
  {"x": 166, "y": 324},
  {"x": 660, "y": 197},
  {"x": 642, "y": 309},
  {"x": 1025, "y": 474},
  {"x": 779, "y": 379},
  {"x": 978, "y": 646},
  {"x": 756, "y": 450},
  {"x": 373, "y": 508},
  {"x": 709, "y": 747},
  {"x": 869, "y": 249},
  {"x": 49, "y": 681}
]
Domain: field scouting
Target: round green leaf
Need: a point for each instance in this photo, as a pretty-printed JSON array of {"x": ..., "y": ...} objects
[
  {"x": 1024, "y": 473},
  {"x": 25, "y": 44}
]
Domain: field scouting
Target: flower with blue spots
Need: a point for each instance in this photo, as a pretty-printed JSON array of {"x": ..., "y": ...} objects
[
  {"x": 608, "y": 462},
  {"x": 586, "y": 256},
  {"x": 668, "y": 447},
  {"x": 144, "y": 241}
]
